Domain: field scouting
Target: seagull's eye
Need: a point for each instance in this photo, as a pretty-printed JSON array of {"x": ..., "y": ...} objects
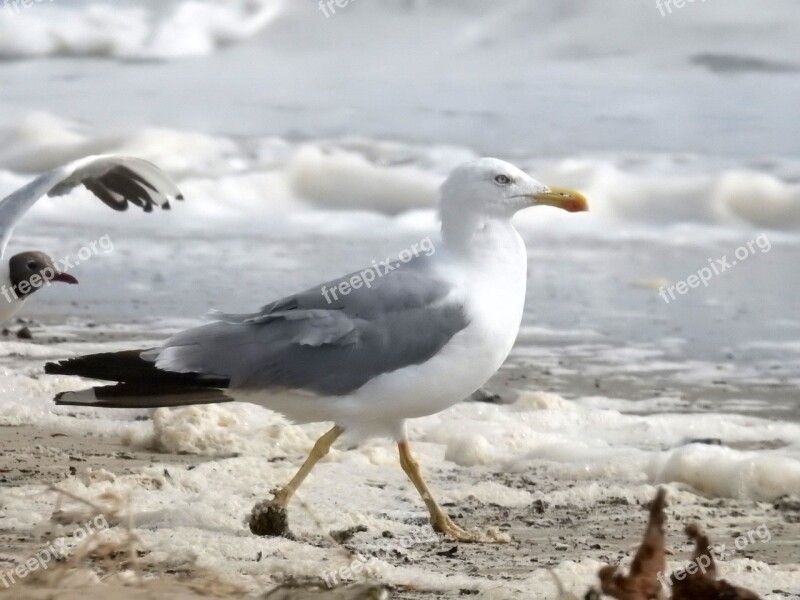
[
  {"x": 32, "y": 265},
  {"x": 502, "y": 179}
]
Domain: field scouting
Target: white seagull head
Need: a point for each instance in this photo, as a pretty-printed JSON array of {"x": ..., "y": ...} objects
[
  {"x": 489, "y": 189},
  {"x": 494, "y": 188}
]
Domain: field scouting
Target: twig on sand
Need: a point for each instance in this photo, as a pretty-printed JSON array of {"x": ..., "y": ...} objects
[
  {"x": 117, "y": 510},
  {"x": 702, "y": 583},
  {"x": 642, "y": 582}
]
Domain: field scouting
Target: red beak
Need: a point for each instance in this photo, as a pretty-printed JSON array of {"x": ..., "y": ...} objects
[{"x": 64, "y": 277}]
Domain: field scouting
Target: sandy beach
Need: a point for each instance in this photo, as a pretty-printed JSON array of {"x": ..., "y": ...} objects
[{"x": 565, "y": 509}]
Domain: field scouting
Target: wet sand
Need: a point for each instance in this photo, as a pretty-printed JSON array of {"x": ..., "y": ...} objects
[
  {"x": 543, "y": 535},
  {"x": 573, "y": 538}
]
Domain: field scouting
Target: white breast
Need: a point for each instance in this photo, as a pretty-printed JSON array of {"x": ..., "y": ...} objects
[{"x": 493, "y": 287}]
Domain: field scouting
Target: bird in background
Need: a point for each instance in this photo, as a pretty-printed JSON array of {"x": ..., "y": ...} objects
[
  {"x": 418, "y": 339},
  {"x": 116, "y": 180}
]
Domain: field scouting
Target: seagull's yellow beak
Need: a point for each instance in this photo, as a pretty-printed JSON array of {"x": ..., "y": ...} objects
[{"x": 569, "y": 200}]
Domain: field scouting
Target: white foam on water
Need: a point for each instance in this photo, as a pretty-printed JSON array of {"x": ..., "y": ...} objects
[
  {"x": 184, "y": 29},
  {"x": 346, "y": 180},
  {"x": 223, "y": 177},
  {"x": 147, "y": 29}
]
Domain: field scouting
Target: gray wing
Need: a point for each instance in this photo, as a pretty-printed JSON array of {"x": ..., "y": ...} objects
[
  {"x": 116, "y": 180},
  {"x": 302, "y": 342}
]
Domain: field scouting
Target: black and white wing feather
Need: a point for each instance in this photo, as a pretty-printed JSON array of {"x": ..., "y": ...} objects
[
  {"x": 116, "y": 180},
  {"x": 301, "y": 342}
]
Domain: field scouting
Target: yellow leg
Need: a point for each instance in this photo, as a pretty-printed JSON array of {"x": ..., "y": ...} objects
[
  {"x": 318, "y": 452},
  {"x": 440, "y": 521}
]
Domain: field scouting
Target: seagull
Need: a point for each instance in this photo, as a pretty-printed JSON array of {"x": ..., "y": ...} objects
[
  {"x": 415, "y": 341},
  {"x": 116, "y": 180}
]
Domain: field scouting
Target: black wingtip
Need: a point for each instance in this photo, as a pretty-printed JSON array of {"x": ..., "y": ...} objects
[{"x": 52, "y": 368}]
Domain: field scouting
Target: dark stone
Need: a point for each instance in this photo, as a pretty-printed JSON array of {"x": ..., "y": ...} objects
[
  {"x": 706, "y": 441},
  {"x": 269, "y": 519},
  {"x": 482, "y": 395},
  {"x": 345, "y": 535}
]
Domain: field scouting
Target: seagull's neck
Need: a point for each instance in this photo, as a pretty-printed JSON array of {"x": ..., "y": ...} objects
[
  {"x": 476, "y": 238},
  {"x": 490, "y": 272}
]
